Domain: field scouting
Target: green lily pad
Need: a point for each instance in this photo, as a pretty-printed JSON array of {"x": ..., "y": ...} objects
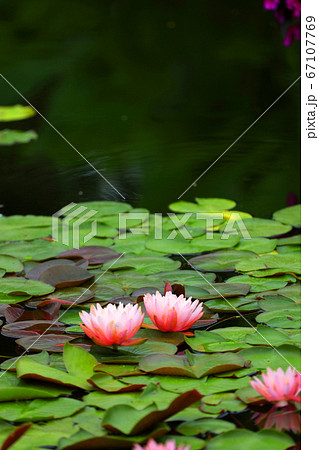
[
  {"x": 13, "y": 299},
  {"x": 259, "y": 227},
  {"x": 131, "y": 244},
  {"x": 118, "y": 370},
  {"x": 127, "y": 420},
  {"x": 39, "y": 409},
  {"x": 220, "y": 290},
  {"x": 132, "y": 354},
  {"x": 84, "y": 439},
  {"x": 216, "y": 241},
  {"x": 206, "y": 385},
  {"x": 281, "y": 274},
  {"x": 185, "y": 277},
  {"x": 25, "y": 234},
  {"x": 106, "y": 208},
  {"x": 196, "y": 245},
  {"x": 191, "y": 365},
  {"x": 19, "y": 285},
  {"x": 257, "y": 245},
  {"x": 46, "y": 434},
  {"x": 35, "y": 251},
  {"x": 9, "y": 364},
  {"x": 11, "y": 137},
  {"x": 232, "y": 304},
  {"x": 144, "y": 264},
  {"x": 79, "y": 364},
  {"x": 281, "y": 356},
  {"x": 15, "y": 112},
  {"x": 291, "y": 240},
  {"x": 13, "y": 388},
  {"x": 289, "y": 216},
  {"x": 285, "y": 318},
  {"x": 211, "y": 342},
  {"x": 248, "y": 440},
  {"x": 292, "y": 291},
  {"x": 288, "y": 249},
  {"x": 202, "y": 426},
  {"x": 10, "y": 264},
  {"x": 107, "y": 383},
  {"x": 275, "y": 302},
  {"x": 203, "y": 205},
  {"x": 267, "y": 336},
  {"x": 221, "y": 403},
  {"x": 258, "y": 284},
  {"x": 290, "y": 263},
  {"x": 220, "y": 261}
]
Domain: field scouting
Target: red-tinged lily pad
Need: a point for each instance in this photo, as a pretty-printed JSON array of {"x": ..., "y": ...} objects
[
  {"x": 65, "y": 275},
  {"x": 13, "y": 388},
  {"x": 15, "y": 435},
  {"x": 127, "y": 420},
  {"x": 17, "y": 313},
  {"x": 95, "y": 254},
  {"x": 38, "y": 268},
  {"x": 32, "y": 328},
  {"x": 66, "y": 296},
  {"x": 84, "y": 440},
  {"x": 191, "y": 364},
  {"x": 49, "y": 342}
]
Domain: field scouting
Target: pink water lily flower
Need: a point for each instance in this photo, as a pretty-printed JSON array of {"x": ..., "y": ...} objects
[
  {"x": 279, "y": 386},
  {"x": 169, "y": 445},
  {"x": 112, "y": 325},
  {"x": 172, "y": 313}
]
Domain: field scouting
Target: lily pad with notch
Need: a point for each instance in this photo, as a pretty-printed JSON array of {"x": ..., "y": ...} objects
[{"x": 220, "y": 261}]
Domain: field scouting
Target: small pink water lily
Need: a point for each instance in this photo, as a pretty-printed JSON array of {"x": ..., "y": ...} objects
[
  {"x": 172, "y": 313},
  {"x": 279, "y": 386},
  {"x": 112, "y": 325},
  {"x": 169, "y": 445}
]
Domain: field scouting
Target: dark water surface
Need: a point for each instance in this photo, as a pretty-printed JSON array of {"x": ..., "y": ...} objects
[{"x": 151, "y": 92}]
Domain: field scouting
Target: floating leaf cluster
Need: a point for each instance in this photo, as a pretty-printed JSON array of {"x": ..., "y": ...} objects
[{"x": 59, "y": 390}]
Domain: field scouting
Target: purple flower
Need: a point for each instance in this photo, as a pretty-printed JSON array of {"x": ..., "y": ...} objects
[
  {"x": 294, "y": 6},
  {"x": 292, "y": 33},
  {"x": 271, "y": 4}
]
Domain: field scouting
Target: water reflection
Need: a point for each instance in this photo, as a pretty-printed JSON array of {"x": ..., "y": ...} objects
[{"x": 151, "y": 105}]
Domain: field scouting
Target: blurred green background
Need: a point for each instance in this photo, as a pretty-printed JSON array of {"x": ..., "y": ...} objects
[{"x": 151, "y": 92}]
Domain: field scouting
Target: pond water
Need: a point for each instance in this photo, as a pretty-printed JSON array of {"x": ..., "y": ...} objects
[{"x": 151, "y": 93}]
